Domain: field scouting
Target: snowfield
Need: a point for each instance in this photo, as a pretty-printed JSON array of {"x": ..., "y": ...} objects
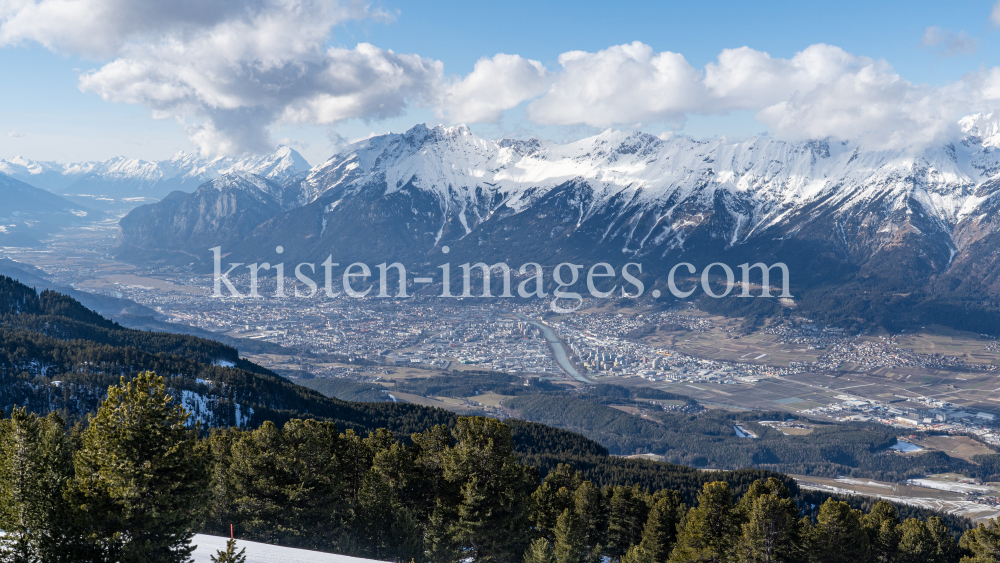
[{"x": 266, "y": 553}]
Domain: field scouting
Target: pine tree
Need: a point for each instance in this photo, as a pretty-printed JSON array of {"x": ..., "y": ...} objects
[
  {"x": 660, "y": 533},
  {"x": 570, "y": 535},
  {"x": 838, "y": 536},
  {"x": 916, "y": 545},
  {"x": 553, "y": 496},
  {"x": 945, "y": 548},
  {"x": 141, "y": 475},
  {"x": 637, "y": 554},
  {"x": 493, "y": 518},
  {"x": 983, "y": 542},
  {"x": 769, "y": 535},
  {"x": 540, "y": 551},
  {"x": 708, "y": 532},
  {"x": 627, "y": 515},
  {"x": 588, "y": 504},
  {"x": 230, "y": 555},
  {"x": 882, "y": 526},
  {"x": 35, "y": 465},
  {"x": 382, "y": 527}
]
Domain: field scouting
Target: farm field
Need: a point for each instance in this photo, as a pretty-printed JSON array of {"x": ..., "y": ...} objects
[
  {"x": 949, "y": 501},
  {"x": 961, "y": 447}
]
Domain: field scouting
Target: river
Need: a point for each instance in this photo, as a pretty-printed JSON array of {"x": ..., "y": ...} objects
[{"x": 557, "y": 348}]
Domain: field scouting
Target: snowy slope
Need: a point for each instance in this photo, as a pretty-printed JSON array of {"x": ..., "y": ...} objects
[
  {"x": 266, "y": 553},
  {"x": 766, "y": 182},
  {"x": 832, "y": 210},
  {"x": 128, "y": 177}
]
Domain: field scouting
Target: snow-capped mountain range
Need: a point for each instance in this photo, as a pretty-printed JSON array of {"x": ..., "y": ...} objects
[
  {"x": 827, "y": 208},
  {"x": 122, "y": 177}
]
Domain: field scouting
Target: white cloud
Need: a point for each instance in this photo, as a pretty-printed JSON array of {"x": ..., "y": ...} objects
[
  {"x": 230, "y": 71},
  {"x": 822, "y": 91},
  {"x": 227, "y": 70},
  {"x": 15, "y": 134},
  {"x": 872, "y": 105},
  {"x": 995, "y": 15},
  {"x": 493, "y": 86},
  {"x": 949, "y": 43},
  {"x": 100, "y": 29},
  {"x": 748, "y": 79},
  {"x": 624, "y": 84}
]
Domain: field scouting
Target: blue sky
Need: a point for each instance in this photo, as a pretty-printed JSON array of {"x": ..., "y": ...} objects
[{"x": 47, "y": 113}]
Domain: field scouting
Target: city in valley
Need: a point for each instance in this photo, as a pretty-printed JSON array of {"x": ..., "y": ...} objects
[{"x": 937, "y": 379}]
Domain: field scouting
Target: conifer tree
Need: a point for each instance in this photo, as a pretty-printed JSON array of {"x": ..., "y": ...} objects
[
  {"x": 589, "y": 506},
  {"x": 637, "y": 554},
  {"x": 230, "y": 555},
  {"x": 553, "y": 496},
  {"x": 141, "y": 475},
  {"x": 383, "y": 528},
  {"x": 35, "y": 465},
  {"x": 945, "y": 548},
  {"x": 492, "y": 515},
  {"x": 882, "y": 526},
  {"x": 570, "y": 546},
  {"x": 769, "y": 534},
  {"x": 709, "y": 531},
  {"x": 915, "y": 544},
  {"x": 982, "y": 542},
  {"x": 838, "y": 536},
  {"x": 627, "y": 515},
  {"x": 660, "y": 533},
  {"x": 540, "y": 551}
]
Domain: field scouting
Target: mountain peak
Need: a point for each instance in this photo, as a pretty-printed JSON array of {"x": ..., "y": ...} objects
[{"x": 985, "y": 126}]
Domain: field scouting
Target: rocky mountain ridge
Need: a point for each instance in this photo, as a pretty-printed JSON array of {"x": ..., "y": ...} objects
[
  {"x": 852, "y": 224},
  {"x": 122, "y": 177}
]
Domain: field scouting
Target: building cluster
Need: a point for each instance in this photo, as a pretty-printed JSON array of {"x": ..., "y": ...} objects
[
  {"x": 604, "y": 352},
  {"x": 916, "y": 413},
  {"x": 866, "y": 355},
  {"x": 803, "y": 332},
  {"x": 487, "y": 340}
]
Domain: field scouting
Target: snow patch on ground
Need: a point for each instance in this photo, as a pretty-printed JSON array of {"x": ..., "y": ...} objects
[
  {"x": 266, "y": 553},
  {"x": 906, "y": 447},
  {"x": 846, "y": 481},
  {"x": 947, "y": 486}
]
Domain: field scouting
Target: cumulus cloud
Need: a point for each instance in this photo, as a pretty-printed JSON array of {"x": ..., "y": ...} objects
[
  {"x": 101, "y": 28},
  {"x": 15, "y": 134},
  {"x": 494, "y": 86},
  {"x": 624, "y": 84},
  {"x": 227, "y": 70},
  {"x": 949, "y": 43},
  {"x": 822, "y": 91}
]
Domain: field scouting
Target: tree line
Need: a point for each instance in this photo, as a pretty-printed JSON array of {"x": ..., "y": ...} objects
[{"x": 137, "y": 481}]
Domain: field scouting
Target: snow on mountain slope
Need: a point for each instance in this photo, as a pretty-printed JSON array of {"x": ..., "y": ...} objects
[
  {"x": 266, "y": 553},
  {"x": 677, "y": 179},
  {"x": 125, "y": 177},
  {"x": 827, "y": 208}
]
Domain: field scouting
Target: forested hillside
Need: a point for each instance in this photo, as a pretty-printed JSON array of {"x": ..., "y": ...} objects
[
  {"x": 56, "y": 355},
  {"x": 139, "y": 481},
  {"x": 287, "y": 465}
]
